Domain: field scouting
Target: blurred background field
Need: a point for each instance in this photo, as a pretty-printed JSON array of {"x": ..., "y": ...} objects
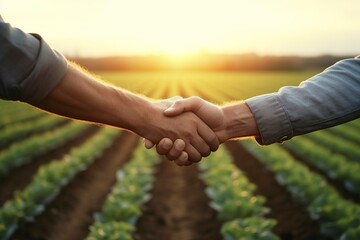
[
  {"x": 68, "y": 180},
  {"x": 50, "y": 167},
  {"x": 218, "y": 87}
]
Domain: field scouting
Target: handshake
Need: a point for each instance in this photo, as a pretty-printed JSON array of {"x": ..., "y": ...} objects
[{"x": 185, "y": 130}]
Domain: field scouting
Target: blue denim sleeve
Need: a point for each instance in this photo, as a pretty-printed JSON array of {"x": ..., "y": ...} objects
[
  {"x": 29, "y": 68},
  {"x": 327, "y": 99}
]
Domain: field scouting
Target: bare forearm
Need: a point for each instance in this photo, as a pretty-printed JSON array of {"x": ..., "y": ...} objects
[
  {"x": 239, "y": 122},
  {"x": 80, "y": 96}
]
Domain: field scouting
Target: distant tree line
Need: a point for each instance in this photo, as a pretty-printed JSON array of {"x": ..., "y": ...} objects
[{"x": 209, "y": 62}]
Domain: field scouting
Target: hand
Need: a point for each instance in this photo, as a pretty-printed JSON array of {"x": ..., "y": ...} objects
[
  {"x": 198, "y": 139},
  {"x": 211, "y": 114},
  {"x": 230, "y": 122}
]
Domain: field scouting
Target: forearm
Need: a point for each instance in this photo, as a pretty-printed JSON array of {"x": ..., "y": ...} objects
[
  {"x": 80, "y": 96},
  {"x": 239, "y": 122}
]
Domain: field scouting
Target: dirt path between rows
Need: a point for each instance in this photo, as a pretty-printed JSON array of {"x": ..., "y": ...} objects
[
  {"x": 69, "y": 216},
  {"x": 178, "y": 209},
  {"x": 293, "y": 220},
  {"x": 21, "y": 176}
]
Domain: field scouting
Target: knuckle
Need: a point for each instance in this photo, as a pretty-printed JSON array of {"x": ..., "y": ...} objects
[
  {"x": 188, "y": 134},
  {"x": 195, "y": 98},
  {"x": 177, "y": 104}
]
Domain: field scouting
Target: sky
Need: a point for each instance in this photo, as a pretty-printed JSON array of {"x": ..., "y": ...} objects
[{"x": 178, "y": 27}]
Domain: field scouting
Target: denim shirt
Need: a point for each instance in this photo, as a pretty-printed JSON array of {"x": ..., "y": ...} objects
[
  {"x": 327, "y": 99},
  {"x": 29, "y": 68}
]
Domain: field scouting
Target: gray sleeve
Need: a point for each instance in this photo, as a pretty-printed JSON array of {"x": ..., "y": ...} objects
[
  {"x": 327, "y": 99},
  {"x": 29, "y": 68}
]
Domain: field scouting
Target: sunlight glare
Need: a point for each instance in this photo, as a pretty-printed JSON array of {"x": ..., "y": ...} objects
[{"x": 178, "y": 27}]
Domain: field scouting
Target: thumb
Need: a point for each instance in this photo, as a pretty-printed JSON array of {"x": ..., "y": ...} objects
[
  {"x": 175, "y": 98},
  {"x": 186, "y": 105},
  {"x": 175, "y": 109}
]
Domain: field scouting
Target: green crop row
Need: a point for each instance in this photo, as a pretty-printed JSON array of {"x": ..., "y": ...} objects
[
  {"x": 13, "y": 107},
  {"x": 347, "y": 132},
  {"x": 338, "y": 216},
  {"x": 23, "y": 152},
  {"x": 48, "y": 181},
  {"x": 18, "y": 116},
  {"x": 123, "y": 205},
  {"x": 355, "y": 124},
  {"x": 335, "y": 166},
  {"x": 232, "y": 196},
  {"x": 10, "y": 107},
  {"x": 19, "y": 130},
  {"x": 336, "y": 144}
]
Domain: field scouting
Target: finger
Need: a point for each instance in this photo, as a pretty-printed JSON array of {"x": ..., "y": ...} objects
[
  {"x": 193, "y": 153},
  {"x": 182, "y": 160},
  {"x": 148, "y": 144},
  {"x": 164, "y": 146},
  {"x": 184, "y": 156},
  {"x": 185, "y": 105},
  {"x": 168, "y": 102},
  {"x": 201, "y": 146},
  {"x": 208, "y": 135},
  {"x": 176, "y": 150},
  {"x": 185, "y": 163}
]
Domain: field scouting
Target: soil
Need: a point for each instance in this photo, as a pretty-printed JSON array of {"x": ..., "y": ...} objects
[
  {"x": 23, "y": 175},
  {"x": 179, "y": 208},
  {"x": 293, "y": 220},
  {"x": 69, "y": 216}
]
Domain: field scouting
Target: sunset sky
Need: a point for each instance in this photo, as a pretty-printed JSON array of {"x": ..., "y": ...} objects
[{"x": 127, "y": 27}]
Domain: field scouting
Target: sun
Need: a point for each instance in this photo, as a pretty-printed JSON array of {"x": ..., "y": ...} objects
[{"x": 178, "y": 50}]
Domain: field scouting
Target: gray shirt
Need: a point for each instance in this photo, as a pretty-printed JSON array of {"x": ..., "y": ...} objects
[
  {"x": 29, "y": 68},
  {"x": 327, "y": 99}
]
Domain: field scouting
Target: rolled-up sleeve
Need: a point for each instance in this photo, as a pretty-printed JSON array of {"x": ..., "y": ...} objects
[
  {"x": 29, "y": 68},
  {"x": 327, "y": 99}
]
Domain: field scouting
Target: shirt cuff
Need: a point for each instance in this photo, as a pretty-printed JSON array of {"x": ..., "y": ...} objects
[
  {"x": 50, "y": 68},
  {"x": 271, "y": 119}
]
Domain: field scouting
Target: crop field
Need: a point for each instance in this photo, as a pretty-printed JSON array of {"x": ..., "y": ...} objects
[{"x": 61, "y": 179}]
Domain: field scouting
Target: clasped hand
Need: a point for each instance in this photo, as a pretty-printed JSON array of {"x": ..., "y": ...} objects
[{"x": 193, "y": 128}]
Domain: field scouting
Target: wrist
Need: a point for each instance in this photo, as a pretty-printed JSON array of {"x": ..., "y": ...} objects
[
  {"x": 134, "y": 112},
  {"x": 239, "y": 122},
  {"x": 147, "y": 124}
]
